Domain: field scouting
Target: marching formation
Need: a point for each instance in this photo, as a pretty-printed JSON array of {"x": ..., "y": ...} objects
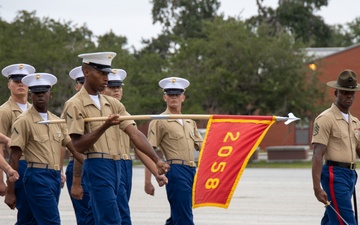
[{"x": 99, "y": 170}]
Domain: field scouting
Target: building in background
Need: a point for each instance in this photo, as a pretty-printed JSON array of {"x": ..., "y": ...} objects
[{"x": 329, "y": 62}]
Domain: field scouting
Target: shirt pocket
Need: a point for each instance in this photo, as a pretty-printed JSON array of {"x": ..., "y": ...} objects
[
  {"x": 177, "y": 141},
  {"x": 94, "y": 125},
  {"x": 357, "y": 134},
  {"x": 58, "y": 137},
  {"x": 338, "y": 139},
  {"x": 41, "y": 138},
  {"x": 176, "y": 136}
]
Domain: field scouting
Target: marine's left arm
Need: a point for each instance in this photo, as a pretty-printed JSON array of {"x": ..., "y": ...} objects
[{"x": 198, "y": 140}]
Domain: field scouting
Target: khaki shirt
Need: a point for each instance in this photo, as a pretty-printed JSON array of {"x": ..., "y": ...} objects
[
  {"x": 340, "y": 137},
  {"x": 125, "y": 143},
  {"x": 176, "y": 141},
  {"x": 40, "y": 143},
  {"x": 81, "y": 106},
  {"x": 9, "y": 111}
]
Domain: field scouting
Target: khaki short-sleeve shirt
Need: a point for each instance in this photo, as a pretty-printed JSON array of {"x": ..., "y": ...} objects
[
  {"x": 176, "y": 141},
  {"x": 340, "y": 137},
  {"x": 40, "y": 143},
  {"x": 125, "y": 143},
  {"x": 9, "y": 111},
  {"x": 81, "y": 106}
]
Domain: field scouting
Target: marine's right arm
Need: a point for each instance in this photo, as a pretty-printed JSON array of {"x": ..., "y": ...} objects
[
  {"x": 86, "y": 141},
  {"x": 317, "y": 162}
]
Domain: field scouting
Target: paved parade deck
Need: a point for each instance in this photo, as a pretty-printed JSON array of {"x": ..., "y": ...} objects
[{"x": 262, "y": 197}]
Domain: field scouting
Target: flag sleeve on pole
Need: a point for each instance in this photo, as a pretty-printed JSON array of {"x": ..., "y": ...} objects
[{"x": 229, "y": 142}]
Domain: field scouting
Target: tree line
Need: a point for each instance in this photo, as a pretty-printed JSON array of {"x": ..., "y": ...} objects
[{"x": 235, "y": 66}]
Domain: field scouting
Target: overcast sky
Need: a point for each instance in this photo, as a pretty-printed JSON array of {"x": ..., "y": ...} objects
[{"x": 132, "y": 18}]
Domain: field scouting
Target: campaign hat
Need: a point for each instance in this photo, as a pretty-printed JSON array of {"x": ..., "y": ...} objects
[{"x": 347, "y": 81}]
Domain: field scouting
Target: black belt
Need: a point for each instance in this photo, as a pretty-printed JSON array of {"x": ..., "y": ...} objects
[{"x": 351, "y": 166}]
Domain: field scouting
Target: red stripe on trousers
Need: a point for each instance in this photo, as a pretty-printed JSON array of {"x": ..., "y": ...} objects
[{"x": 332, "y": 193}]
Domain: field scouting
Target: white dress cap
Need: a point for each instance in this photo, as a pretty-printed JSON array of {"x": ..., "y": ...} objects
[
  {"x": 39, "y": 82},
  {"x": 116, "y": 78},
  {"x": 174, "y": 85},
  {"x": 17, "y": 71},
  {"x": 77, "y": 74},
  {"x": 99, "y": 60}
]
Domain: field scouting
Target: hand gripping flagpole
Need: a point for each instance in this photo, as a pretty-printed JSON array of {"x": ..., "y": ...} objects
[{"x": 289, "y": 119}]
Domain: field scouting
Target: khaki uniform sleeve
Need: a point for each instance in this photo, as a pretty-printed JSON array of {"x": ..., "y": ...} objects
[
  {"x": 198, "y": 140},
  {"x": 19, "y": 134},
  {"x": 321, "y": 130},
  {"x": 74, "y": 119},
  {"x": 5, "y": 121},
  {"x": 65, "y": 132},
  {"x": 154, "y": 136},
  {"x": 122, "y": 111}
]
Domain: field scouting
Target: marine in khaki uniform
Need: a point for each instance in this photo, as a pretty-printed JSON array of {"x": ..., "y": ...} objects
[
  {"x": 336, "y": 136},
  {"x": 41, "y": 145},
  {"x": 177, "y": 139},
  {"x": 77, "y": 190},
  {"x": 115, "y": 89},
  {"x": 9, "y": 111},
  {"x": 100, "y": 140}
]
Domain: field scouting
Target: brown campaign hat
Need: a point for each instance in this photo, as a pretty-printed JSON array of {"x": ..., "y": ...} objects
[{"x": 347, "y": 81}]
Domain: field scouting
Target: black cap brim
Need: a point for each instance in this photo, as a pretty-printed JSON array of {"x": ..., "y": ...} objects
[
  {"x": 36, "y": 89},
  {"x": 173, "y": 91},
  {"x": 100, "y": 67},
  {"x": 114, "y": 83},
  {"x": 80, "y": 79},
  {"x": 16, "y": 77}
]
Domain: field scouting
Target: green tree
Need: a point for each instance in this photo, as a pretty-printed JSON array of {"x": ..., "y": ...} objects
[
  {"x": 238, "y": 70},
  {"x": 142, "y": 94},
  {"x": 180, "y": 19},
  {"x": 297, "y": 17},
  {"x": 353, "y": 30},
  {"x": 50, "y": 46},
  {"x": 184, "y": 17}
]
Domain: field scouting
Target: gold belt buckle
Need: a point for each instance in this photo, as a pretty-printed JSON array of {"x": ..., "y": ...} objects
[
  {"x": 56, "y": 167},
  {"x": 352, "y": 166},
  {"x": 125, "y": 156}
]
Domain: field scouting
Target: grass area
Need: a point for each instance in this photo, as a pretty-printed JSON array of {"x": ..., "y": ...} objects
[{"x": 265, "y": 164}]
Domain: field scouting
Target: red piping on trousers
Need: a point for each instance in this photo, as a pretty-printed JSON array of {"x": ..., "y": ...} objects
[{"x": 332, "y": 193}]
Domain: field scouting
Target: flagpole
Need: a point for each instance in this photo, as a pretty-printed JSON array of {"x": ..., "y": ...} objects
[{"x": 287, "y": 120}]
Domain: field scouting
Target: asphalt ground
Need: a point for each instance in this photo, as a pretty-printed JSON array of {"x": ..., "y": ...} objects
[{"x": 262, "y": 197}]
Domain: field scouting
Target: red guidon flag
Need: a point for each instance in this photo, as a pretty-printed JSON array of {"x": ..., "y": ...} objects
[{"x": 229, "y": 142}]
